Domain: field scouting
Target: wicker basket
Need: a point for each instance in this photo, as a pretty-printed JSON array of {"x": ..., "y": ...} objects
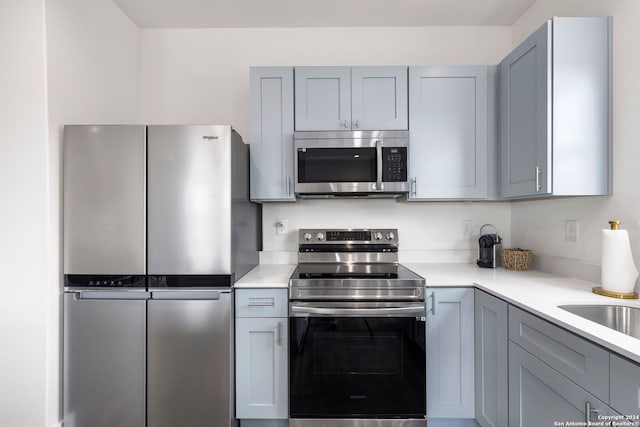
[{"x": 516, "y": 259}]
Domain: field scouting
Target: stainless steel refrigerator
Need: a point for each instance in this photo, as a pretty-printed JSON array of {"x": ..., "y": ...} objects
[{"x": 157, "y": 227}]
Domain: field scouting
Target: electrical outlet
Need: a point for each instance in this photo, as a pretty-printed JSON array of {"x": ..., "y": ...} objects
[
  {"x": 282, "y": 226},
  {"x": 467, "y": 227},
  {"x": 571, "y": 230}
]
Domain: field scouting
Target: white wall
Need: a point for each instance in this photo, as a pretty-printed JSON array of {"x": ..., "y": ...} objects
[
  {"x": 202, "y": 76},
  {"x": 23, "y": 214},
  {"x": 539, "y": 225},
  {"x": 93, "y": 56},
  {"x": 75, "y": 62}
]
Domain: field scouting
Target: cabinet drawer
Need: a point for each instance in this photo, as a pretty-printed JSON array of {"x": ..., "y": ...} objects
[
  {"x": 625, "y": 386},
  {"x": 262, "y": 302},
  {"x": 582, "y": 362}
]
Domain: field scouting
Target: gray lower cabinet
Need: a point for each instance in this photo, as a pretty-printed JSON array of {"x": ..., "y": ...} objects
[
  {"x": 350, "y": 98},
  {"x": 555, "y": 111},
  {"x": 450, "y": 353},
  {"x": 261, "y": 354},
  {"x": 574, "y": 357},
  {"x": 453, "y": 132},
  {"x": 271, "y": 133},
  {"x": 491, "y": 360},
  {"x": 540, "y": 396},
  {"x": 625, "y": 388}
]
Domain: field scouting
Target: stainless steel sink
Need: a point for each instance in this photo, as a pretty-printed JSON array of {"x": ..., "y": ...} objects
[{"x": 622, "y": 318}]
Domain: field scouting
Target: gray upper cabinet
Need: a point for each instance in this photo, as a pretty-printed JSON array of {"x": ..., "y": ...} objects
[
  {"x": 271, "y": 133},
  {"x": 453, "y": 139},
  {"x": 350, "y": 98},
  {"x": 379, "y": 98},
  {"x": 555, "y": 111}
]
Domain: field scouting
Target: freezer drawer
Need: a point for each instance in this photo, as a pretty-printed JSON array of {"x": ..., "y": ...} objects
[
  {"x": 189, "y": 360},
  {"x": 104, "y": 362}
]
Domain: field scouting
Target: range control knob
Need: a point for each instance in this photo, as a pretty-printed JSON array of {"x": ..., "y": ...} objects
[
  {"x": 320, "y": 236},
  {"x": 307, "y": 236},
  {"x": 377, "y": 236},
  {"x": 390, "y": 236}
]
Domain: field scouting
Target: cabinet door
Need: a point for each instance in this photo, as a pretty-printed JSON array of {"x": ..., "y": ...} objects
[
  {"x": 540, "y": 396},
  {"x": 450, "y": 353},
  {"x": 379, "y": 98},
  {"x": 261, "y": 368},
  {"x": 525, "y": 117},
  {"x": 581, "y": 361},
  {"x": 271, "y": 133},
  {"x": 625, "y": 387},
  {"x": 323, "y": 98},
  {"x": 491, "y": 348},
  {"x": 448, "y": 115}
]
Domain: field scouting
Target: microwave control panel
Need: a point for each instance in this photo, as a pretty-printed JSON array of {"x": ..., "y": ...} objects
[{"x": 394, "y": 164}]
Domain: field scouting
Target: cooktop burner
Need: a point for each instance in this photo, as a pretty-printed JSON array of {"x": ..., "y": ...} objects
[{"x": 352, "y": 265}]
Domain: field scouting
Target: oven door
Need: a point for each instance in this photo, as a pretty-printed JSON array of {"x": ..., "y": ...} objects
[{"x": 357, "y": 360}]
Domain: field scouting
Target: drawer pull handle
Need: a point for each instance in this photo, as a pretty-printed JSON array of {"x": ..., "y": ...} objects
[
  {"x": 254, "y": 303},
  {"x": 588, "y": 410}
]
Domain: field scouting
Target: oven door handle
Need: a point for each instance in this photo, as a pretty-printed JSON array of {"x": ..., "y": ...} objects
[{"x": 405, "y": 311}]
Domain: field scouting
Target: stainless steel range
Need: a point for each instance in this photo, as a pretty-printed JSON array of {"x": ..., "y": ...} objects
[{"x": 357, "y": 328}]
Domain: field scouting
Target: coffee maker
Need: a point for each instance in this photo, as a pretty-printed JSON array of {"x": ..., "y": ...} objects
[{"x": 489, "y": 245}]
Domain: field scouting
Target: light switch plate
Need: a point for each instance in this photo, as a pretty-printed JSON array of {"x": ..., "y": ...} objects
[{"x": 282, "y": 226}]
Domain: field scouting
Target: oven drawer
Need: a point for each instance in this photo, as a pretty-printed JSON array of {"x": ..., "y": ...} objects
[{"x": 261, "y": 302}]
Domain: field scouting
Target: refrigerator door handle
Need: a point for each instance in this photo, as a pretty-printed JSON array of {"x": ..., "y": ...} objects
[
  {"x": 186, "y": 295},
  {"x": 102, "y": 295}
]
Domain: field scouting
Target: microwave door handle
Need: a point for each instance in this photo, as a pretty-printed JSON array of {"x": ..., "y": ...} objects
[{"x": 379, "y": 165}]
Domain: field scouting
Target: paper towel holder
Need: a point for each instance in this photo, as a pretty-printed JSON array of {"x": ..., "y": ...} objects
[
  {"x": 598, "y": 290},
  {"x": 614, "y": 225}
]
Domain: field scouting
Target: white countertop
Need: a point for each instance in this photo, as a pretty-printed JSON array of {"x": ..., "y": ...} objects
[
  {"x": 267, "y": 276},
  {"x": 534, "y": 291}
]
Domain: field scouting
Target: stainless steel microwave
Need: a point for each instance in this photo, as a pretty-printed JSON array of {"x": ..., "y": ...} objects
[{"x": 351, "y": 163}]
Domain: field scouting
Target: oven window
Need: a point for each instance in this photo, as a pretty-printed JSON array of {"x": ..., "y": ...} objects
[
  {"x": 348, "y": 367},
  {"x": 317, "y": 165}
]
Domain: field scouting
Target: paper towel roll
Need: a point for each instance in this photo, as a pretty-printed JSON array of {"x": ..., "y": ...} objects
[{"x": 619, "y": 273}]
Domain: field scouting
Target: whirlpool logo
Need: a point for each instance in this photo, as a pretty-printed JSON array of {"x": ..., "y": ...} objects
[{"x": 210, "y": 138}]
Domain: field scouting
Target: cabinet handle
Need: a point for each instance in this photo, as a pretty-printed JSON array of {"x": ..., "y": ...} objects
[
  {"x": 433, "y": 303},
  {"x": 414, "y": 186},
  {"x": 538, "y": 172},
  {"x": 279, "y": 334},
  {"x": 356, "y": 124},
  {"x": 256, "y": 303},
  {"x": 345, "y": 124},
  {"x": 588, "y": 410},
  {"x": 288, "y": 186}
]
